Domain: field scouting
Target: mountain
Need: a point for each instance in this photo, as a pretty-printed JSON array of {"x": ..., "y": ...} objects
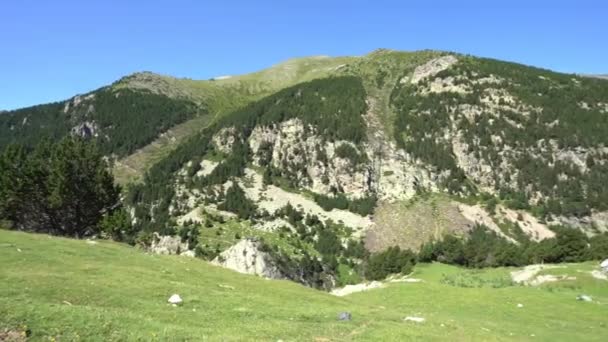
[
  {"x": 320, "y": 161},
  {"x": 602, "y": 76}
]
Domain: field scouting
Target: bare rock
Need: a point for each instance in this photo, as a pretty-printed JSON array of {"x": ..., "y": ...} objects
[
  {"x": 246, "y": 257},
  {"x": 175, "y": 299},
  {"x": 432, "y": 68},
  {"x": 167, "y": 244}
]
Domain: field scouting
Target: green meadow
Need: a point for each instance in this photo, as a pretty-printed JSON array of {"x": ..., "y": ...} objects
[{"x": 60, "y": 289}]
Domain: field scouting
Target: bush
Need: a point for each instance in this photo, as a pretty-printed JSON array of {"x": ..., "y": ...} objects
[
  {"x": 117, "y": 226},
  {"x": 392, "y": 261},
  {"x": 362, "y": 206}
]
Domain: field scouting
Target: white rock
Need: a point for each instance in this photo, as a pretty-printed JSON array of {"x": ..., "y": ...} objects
[
  {"x": 348, "y": 289},
  {"x": 604, "y": 265},
  {"x": 166, "y": 244},
  {"x": 414, "y": 319},
  {"x": 431, "y": 68},
  {"x": 175, "y": 299},
  {"x": 245, "y": 257},
  {"x": 599, "y": 275},
  {"x": 584, "y": 298},
  {"x": 188, "y": 253}
]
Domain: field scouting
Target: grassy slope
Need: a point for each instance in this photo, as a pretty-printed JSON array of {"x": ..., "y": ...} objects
[{"x": 119, "y": 293}]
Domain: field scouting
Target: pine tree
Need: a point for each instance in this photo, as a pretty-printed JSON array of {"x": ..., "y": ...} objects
[{"x": 64, "y": 188}]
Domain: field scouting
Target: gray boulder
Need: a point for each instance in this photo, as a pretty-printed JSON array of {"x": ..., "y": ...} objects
[
  {"x": 166, "y": 244},
  {"x": 344, "y": 316},
  {"x": 246, "y": 257}
]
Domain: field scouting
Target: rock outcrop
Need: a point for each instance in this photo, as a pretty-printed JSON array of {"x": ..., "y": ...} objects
[
  {"x": 310, "y": 160},
  {"x": 167, "y": 245},
  {"x": 246, "y": 257},
  {"x": 432, "y": 67}
]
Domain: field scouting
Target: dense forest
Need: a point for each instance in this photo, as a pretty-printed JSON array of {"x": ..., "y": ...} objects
[{"x": 120, "y": 120}]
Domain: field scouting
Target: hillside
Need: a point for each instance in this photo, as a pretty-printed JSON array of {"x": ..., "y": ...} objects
[
  {"x": 56, "y": 288},
  {"x": 317, "y": 162},
  {"x": 515, "y": 148}
]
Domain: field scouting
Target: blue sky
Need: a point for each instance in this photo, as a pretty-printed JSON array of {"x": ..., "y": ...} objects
[{"x": 51, "y": 50}]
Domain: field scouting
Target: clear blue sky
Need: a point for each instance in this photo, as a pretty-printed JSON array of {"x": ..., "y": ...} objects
[{"x": 51, "y": 50}]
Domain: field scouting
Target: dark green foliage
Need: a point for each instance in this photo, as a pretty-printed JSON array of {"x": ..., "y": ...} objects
[
  {"x": 328, "y": 243},
  {"x": 362, "y": 206},
  {"x": 332, "y": 105},
  {"x": 190, "y": 235},
  {"x": 64, "y": 188},
  {"x": 483, "y": 248},
  {"x": 151, "y": 199},
  {"x": 117, "y": 226},
  {"x": 356, "y": 249},
  {"x": 292, "y": 215},
  {"x": 599, "y": 247},
  {"x": 125, "y": 120},
  {"x": 346, "y": 151},
  {"x": 569, "y": 245},
  {"x": 392, "y": 261},
  {"x": 237, "y": 202},
  {"x": 232, "y": 166}
]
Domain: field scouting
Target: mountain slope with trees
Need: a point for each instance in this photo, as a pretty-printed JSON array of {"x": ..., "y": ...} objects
[{"x": 346, "y": 136}]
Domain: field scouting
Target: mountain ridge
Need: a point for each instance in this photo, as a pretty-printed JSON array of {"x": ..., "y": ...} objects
[{"x": 325, "y": 158}]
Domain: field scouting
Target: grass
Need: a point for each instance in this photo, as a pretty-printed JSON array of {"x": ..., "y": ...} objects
[{"x": 71, "y": 290}]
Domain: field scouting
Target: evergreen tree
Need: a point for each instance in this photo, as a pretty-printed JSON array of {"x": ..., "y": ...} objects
[{"x": 64, "y": 188}]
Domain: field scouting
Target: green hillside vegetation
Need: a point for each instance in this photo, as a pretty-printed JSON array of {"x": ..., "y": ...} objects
[
  {"x": 123, "y": 120},
  {"x": 77, "y": 290},
  {"x": 63, "y": 188},
  {"x": 562, "y": 118},
  {"x": 484, "y": 248},
  {"x": 218, "y": 97},
  {"x": 332, "y": 97}
]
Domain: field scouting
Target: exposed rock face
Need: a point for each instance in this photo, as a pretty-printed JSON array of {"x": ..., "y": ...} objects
[
  {"x": 86, "y": 129},
  {"x": 474, "y": 167},
  {"x": 599, "y": 220},
  {"x": 432, "y": 67},
  {"x": 224, "y": 140},
  {"x": 246, "y": 257},
  {"x": 298, "y": 151},
  {"x": 395, "y": 173},
  {"x": 166, "y": 244}
]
